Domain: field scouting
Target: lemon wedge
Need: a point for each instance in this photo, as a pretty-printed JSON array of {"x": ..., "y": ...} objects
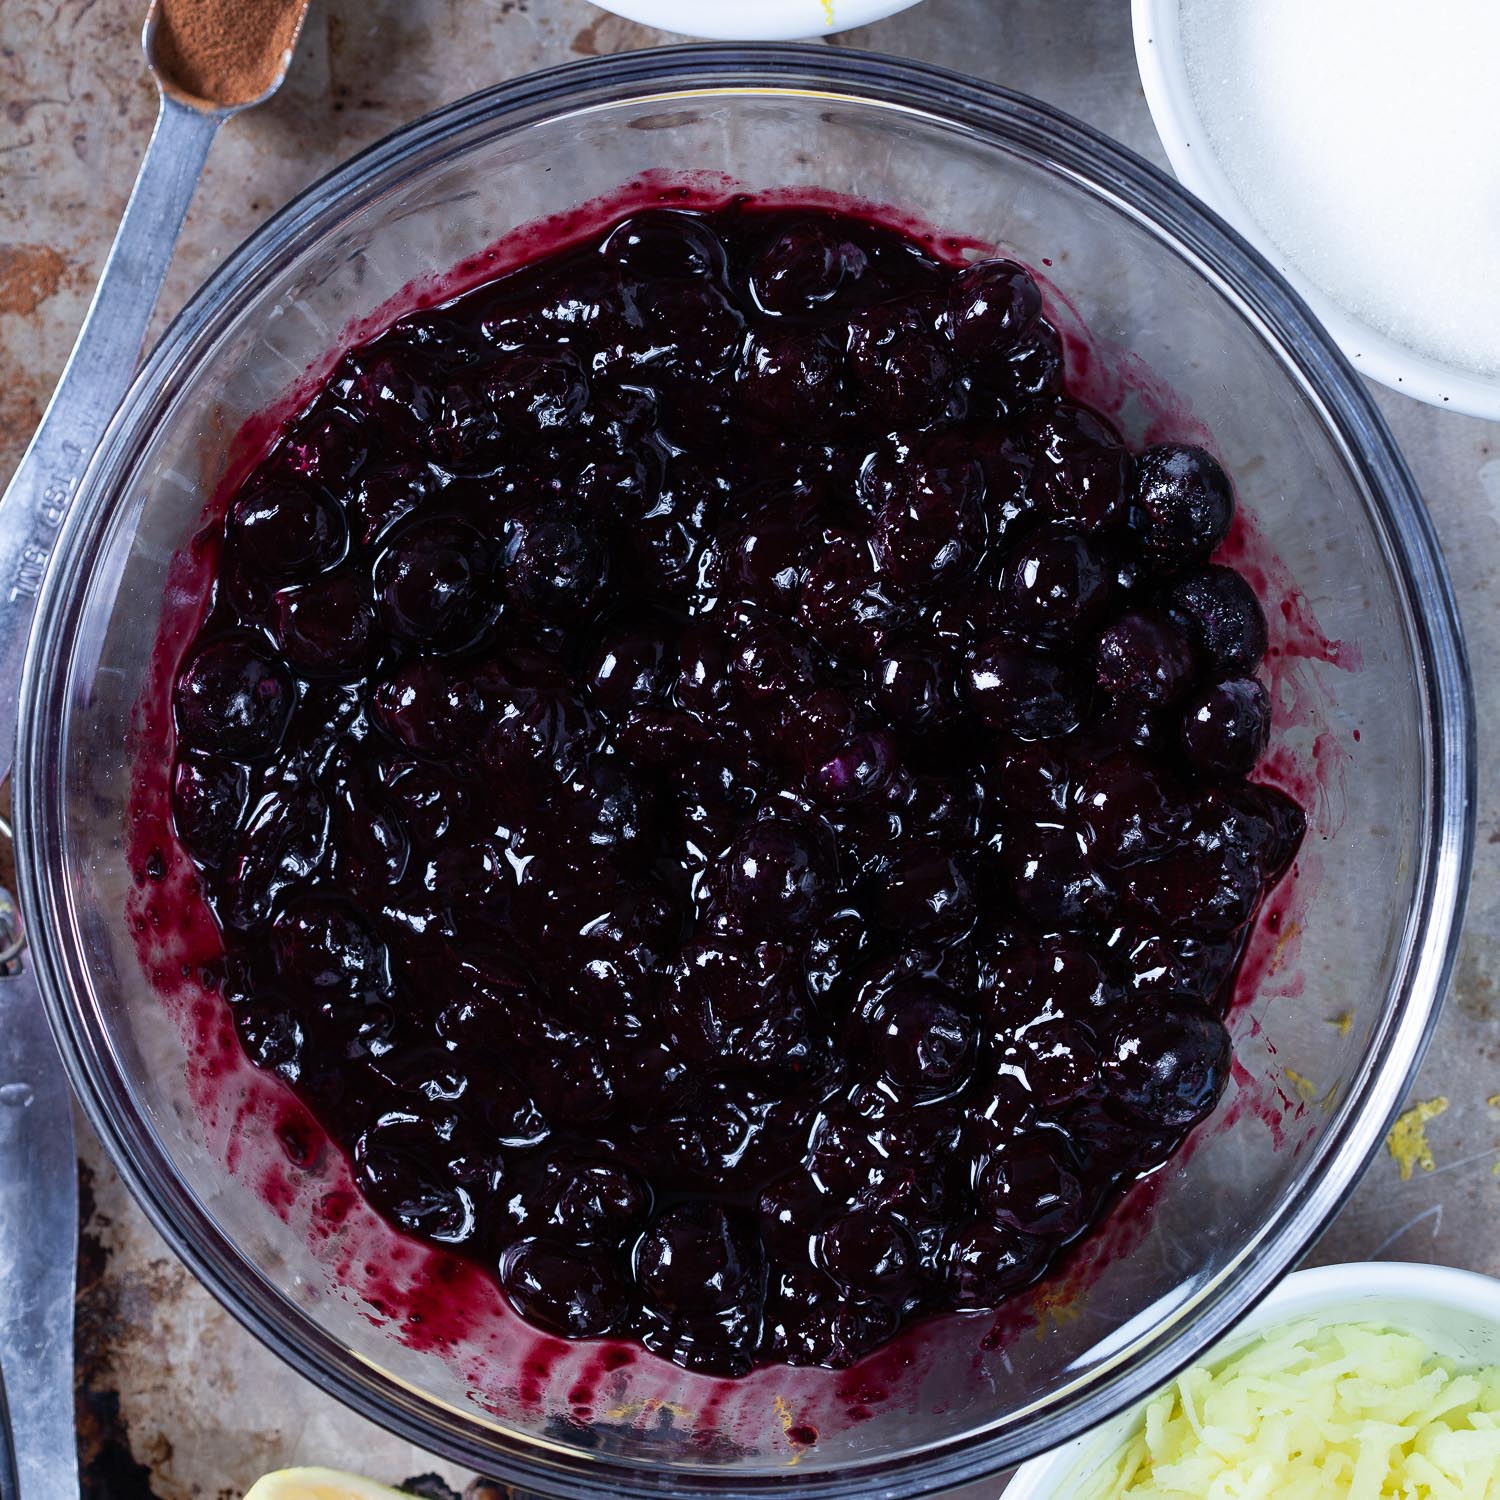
[{"x": 319, "y": 1484}]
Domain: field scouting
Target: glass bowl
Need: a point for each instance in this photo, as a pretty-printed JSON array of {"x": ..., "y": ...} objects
[{"x": 1373, "y": 721}]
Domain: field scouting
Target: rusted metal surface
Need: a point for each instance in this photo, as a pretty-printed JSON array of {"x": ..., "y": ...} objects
[{"x": 175, "y": 1401}]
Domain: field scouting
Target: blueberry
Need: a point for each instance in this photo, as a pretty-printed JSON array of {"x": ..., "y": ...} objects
[
  {"x": 427, "y": 706},
  {"x": 914, "y": 685},
  {"x": 925, "y": 1041},
  {"x": 1226, "y": 727},
  {"x": 1082, "y": 470},
  {"x": 930, "y": 531},
  {"x": 324, "y": 947},
  {"x": 804, "y": 267},
  {"x": 630, "y": 670},
  {"x": 208, "y": 801},
  {"x": 233, "y": 697},
  {"x": 1023, "y": 693},
  {"x": 324, "y": 628},
  {"x": 575, "y": 1293},
  {"x": 1181, "y": 503},
  {"x": 402, "y": 1165},
  {"x": 582, "y": 1201},
  {"x": 741, "y": 1006},
  {"x": 1032, "y": 1184},
  {"x": 900, "y": 366},
  {"x": 1166, "y": 1062},
  {"x": 665, "y": 242},
  {"x": 431, "y": 582},
  {"x": 1054, "y": 585},
  {"x": 992, "y": 306},
  {"x": 926, "y": 889},
  {"x": 869, "y": 1255},
  {"x": 284, "y": 530},
  {"x": 1219, "y": 613},
  {"x": 983, "y": 1264},
  {"x": 776, "y": 878},
  {"x": 1029, "y": 373},
  {"x": 791, "y": 379},
  {"x": 1142, "y": 658},
  {"x": 696, "y": 1258},
  {"x": 554, "y": 564}
]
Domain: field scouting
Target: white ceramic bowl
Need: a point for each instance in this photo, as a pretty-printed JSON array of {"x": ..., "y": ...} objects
[
  {"x": 1457, "y": 1313},
  {"x": 1159, "y": 53},
  {"x": 755, "y": 20}
]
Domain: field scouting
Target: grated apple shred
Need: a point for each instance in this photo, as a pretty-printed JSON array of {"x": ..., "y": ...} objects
[{"x": 1345, "y": 1412}]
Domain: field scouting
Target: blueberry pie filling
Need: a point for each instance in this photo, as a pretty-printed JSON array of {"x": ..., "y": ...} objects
[{"x": 725, "y": 788}]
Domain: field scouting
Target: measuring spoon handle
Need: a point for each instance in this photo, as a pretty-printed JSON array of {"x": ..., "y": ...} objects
[{"x": 93, "y": 381}]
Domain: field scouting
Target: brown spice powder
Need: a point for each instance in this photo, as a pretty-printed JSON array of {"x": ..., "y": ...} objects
[{"x": 225, "y": 52}]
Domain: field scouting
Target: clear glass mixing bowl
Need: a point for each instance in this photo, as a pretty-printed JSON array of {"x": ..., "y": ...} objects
[{"x": 1381, "y": 724}]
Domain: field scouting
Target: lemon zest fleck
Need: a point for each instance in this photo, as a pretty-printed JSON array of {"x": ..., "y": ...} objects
[
  {"x": 1407, "y": 1141},
  {"x": 1304, "y": 1086}
]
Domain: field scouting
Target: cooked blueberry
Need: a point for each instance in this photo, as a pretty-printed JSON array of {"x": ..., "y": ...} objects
[
  {"x": 696, "y": 1259},
  {"x": 1082, "y": 469},
  {"x": 900, "y": 365},
  {"x": 722, "y": 789},
  {"x": 1143, "y": 658},
  {"x": 233, "y": 697},
  {"x": 283, "y": 529},
  {"x": 431, "y": 582},
  {"x": 777, "y": 877},
  {"x": 324, "y": 627},
  {"x": 914, "y": 684},
  {"x": 1030, "y": 372},
  {"x": 992, "y": 306},
  {"x": 663, "y": 242},
  {"x": 1054, "y": 585},
  {"x": 924, "y": 1039},
  {"x": 1024, "y": 693},
  {"x": 1031, "y": 1184},
  {"x": 1221, "y": 616},
  {"x": 926, "y": 889},
  {"x": 405, "y": 1168},
  {"x": 208, "y": 800},
  {"x": 630, "y": 669},
  {"x": 930, "y": 531},
  {"x": 985, "y": 1263},
  {"x": 324, "y": 947},
  {"x": 1181, "y": 503},
  {"x": 791, "y": 378},
  {"x": 1167, "y": 1062},
  {"x": 575, "y": 1293},
  {"x": 803, "y": 267},
  {"x": 869, "y": 1255},
  {"x": 554, "y": 565},
  {"x": 1226, "y": 727}
]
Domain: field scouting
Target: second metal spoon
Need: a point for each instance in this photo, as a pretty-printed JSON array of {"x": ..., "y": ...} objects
[{"x": 38, "y": 1173}]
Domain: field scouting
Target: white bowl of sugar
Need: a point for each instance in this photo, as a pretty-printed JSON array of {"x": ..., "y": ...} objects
[{"x": 1356, "y": 144}]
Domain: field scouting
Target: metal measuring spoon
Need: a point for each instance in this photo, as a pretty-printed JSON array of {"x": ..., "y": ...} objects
[{"x": 38, "y": 1172}]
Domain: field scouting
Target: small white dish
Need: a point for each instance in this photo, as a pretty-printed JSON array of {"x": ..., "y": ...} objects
[
  {"x": 755, "y": 20},
  {"x": 1159, "y": 55},
  {"x": 1456, "y": 1313}
]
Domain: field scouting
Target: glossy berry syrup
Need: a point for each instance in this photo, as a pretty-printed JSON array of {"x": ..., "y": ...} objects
[{"x": 725, "y": 791}]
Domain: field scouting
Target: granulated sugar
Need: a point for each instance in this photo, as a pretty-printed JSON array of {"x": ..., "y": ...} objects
[{"x": 1363, "y": 136}]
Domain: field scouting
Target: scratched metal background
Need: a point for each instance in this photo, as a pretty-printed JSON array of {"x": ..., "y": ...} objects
[{"x": 174, "y": 1399}]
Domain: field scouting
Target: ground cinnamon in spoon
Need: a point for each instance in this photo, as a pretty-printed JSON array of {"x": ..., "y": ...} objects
[{"x": 225, "y": 52}]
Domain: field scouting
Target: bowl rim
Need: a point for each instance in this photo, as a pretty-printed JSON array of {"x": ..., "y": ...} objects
[
  {"x": 756, "y": 20},
  {"x": 1428, "y": 942},
  {"x": 1299, "y": 1295},
  {"x": 1158, "y": 49}
]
